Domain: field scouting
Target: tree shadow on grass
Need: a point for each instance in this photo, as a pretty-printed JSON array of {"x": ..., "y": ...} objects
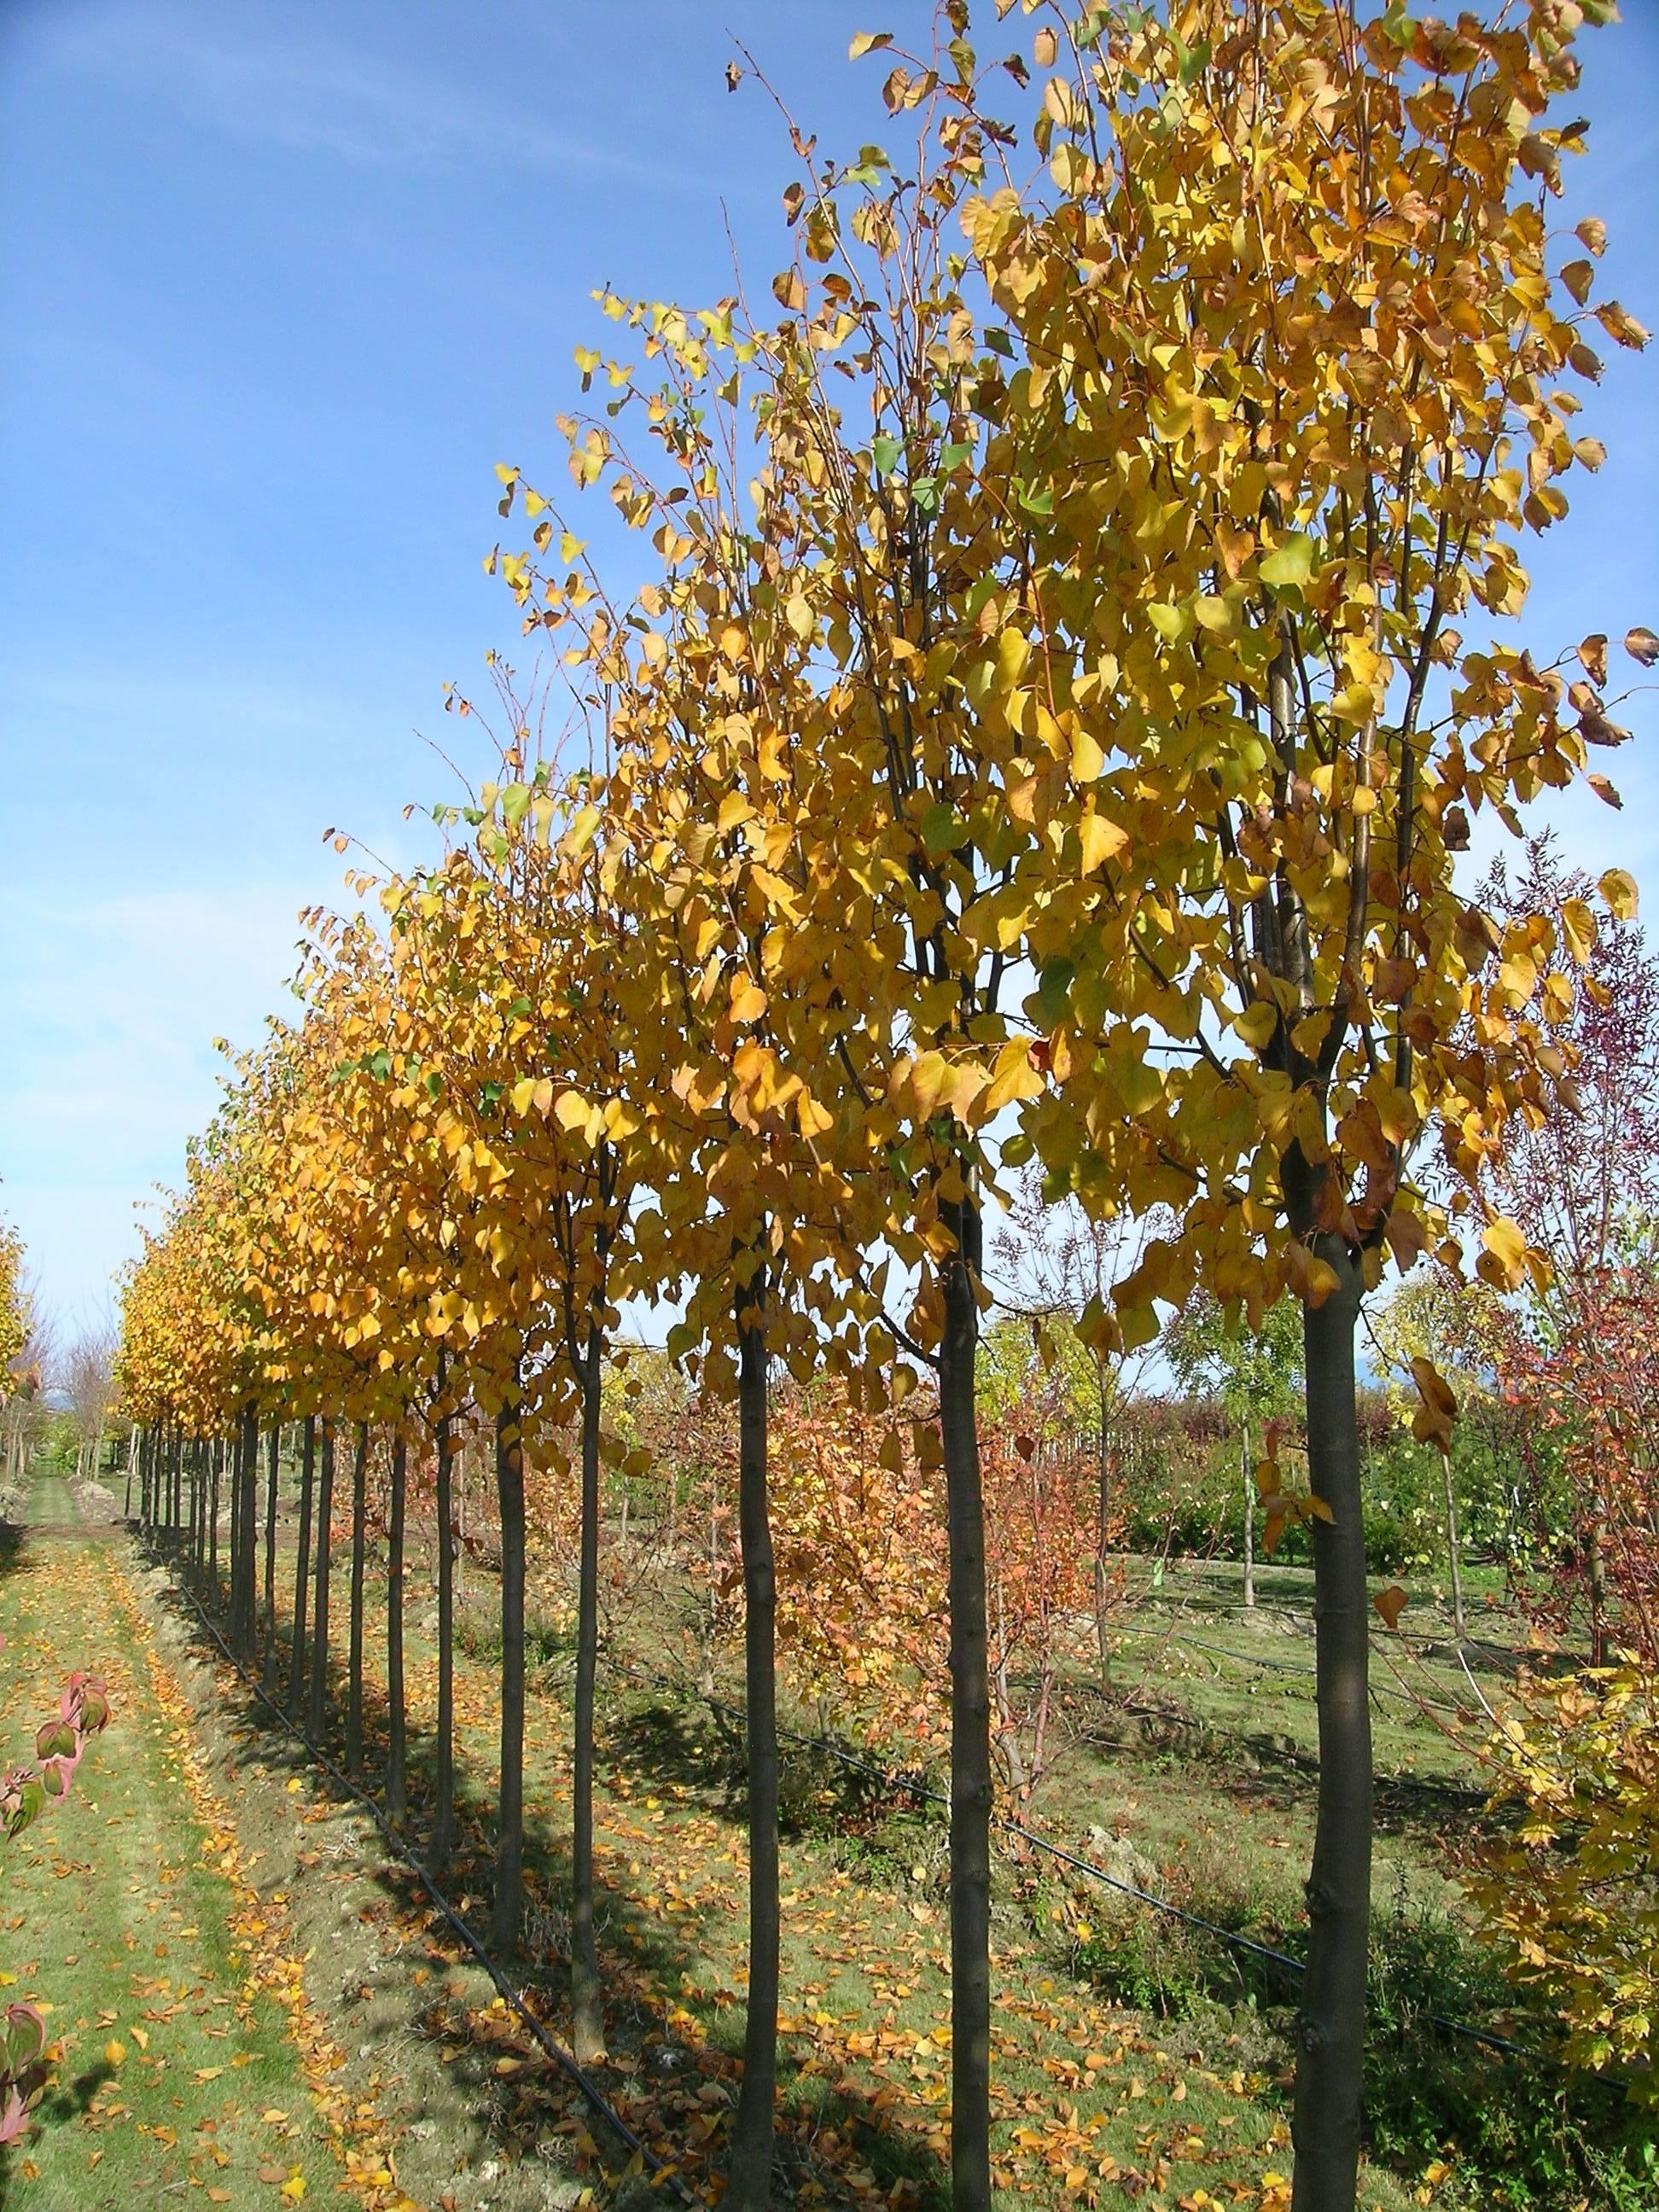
[
  {"x": 672, "y": 2068},
  {"x": 69, "y": 2101}
]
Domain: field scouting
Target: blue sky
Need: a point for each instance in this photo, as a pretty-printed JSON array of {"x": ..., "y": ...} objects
[{"x": 283, "y": 281}]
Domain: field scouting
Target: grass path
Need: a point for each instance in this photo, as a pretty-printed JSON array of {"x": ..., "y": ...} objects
[{"x": 186, "y": 2062}]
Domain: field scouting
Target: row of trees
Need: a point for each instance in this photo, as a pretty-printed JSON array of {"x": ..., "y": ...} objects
[{"x": 1045, "y": 735}]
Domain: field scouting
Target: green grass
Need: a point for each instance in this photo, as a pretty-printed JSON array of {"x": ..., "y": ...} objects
[
  {"x": 166, "y": 2075},
  {"x": 1145, "y": 2057}
]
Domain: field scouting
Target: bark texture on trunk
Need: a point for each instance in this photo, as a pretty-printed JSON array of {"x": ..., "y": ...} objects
[
  {"x": 509, "y": 1841},
  {"x": 587, "y": 2026},
  {"x": 749, "y": 2178},
  {"x": 296, "y": 1667},
  {"x": 970, "y": 1724},
  {"x": 319, "y": 1623},
  {"x": 1331, "y": 2026},
  {"x": 354, "y": 1736},
  {"x": 395, "y": 1794},
  {"x": 243, "y": 1608},
  {"x": 443, "y": 1819},
  {"x": 234, "y": 1452},
  {"x": 273, "y": 1457},
  {"x": 217, "y": 1453}
]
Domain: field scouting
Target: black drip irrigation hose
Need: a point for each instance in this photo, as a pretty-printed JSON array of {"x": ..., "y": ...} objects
[
  {"x": 550, "y": 2045},
  {"x": 890, "y": 1780},
  {"x": 909, "y": 1783},
  {"x": 1173, "y": 1635}
]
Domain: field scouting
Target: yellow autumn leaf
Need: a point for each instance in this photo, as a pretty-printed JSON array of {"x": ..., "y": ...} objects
[
  {"x": 1617, "y": 887},
  {"x": 1101, "y": 840},
  {"x": 1506, "y": 1241}
]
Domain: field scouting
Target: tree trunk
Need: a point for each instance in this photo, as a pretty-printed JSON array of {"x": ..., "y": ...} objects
[
  {"x": 319, "y": 1622},
  {"x": 1452, "y": 1544},
  {"x": 443, "y": 1820},
  {"x": 215, "y": 1452},
  {"x": 1331, "y": 2026},
  {"x": 234, "y": 1486},
  {"x": 509, "y": 1840},
  {"x": 296, "y": 1675},
  {"x": 1103, "y": 1523},
  {"x": 588, "y": 2025},
  {"x": 970, "y": 1723},
  {"x": 1248, "y": 1473},
  {"x": 749, "y": 2182},
  {"x": 354, "y": 1740},
  {"x": 272, "y": 1456},
  {"x": 245, "y": 1551},
  {"x": 1005, "y": 1728},
  {"x": 395, "y": 1795}
]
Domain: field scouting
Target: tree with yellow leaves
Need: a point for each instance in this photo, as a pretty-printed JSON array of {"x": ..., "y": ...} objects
[
  {"x": 14, "y": 1309},
  {"x": 1286, "y": 329}
]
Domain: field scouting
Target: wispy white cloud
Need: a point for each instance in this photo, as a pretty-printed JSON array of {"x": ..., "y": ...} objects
[
  {"x": 109, "y": 1003},
  {"x": 297, "y": 86}
]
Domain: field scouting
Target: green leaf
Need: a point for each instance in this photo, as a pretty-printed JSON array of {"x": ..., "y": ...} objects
[
  {"x": 942, "y": 829},
  {"x": 1054, "y": 991},
  {"x": 924, "y": 494},
  {"x": 516, "y": 804},
  {"x": 953, "y": 455},
  {"x": 884, "y": 455},
  {"x": 1037, "y": 502},
  {"x": 1289, "y": 564}
]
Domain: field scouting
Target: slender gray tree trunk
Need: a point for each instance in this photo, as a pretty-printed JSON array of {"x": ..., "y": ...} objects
[
  {"x": 273, "y": 1454},
  {"x": 353, "y": 1740},
  {"x": 296, "y": 1662},
  {"x": 749, "y": 2180},
  {"x": 587, "y": 2024},
  {"x": 509, "y": 1841},
  {"x": 215, "y": 1452},
  {"x": 395, "y": 1791},
  {"x": 1331, "y": 2026},
  {"x": 1453, "y": 1549},
  {"x": 970, "y": 1723},
  {"x": 319, "y": 1622},
  {"x": 243, "y": 1612},
  {"x": 443, "y": 1819}
]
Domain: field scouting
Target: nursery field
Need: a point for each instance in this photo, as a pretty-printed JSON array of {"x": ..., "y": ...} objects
[
  {"x": 183, "y": 2053},
  {"x": 1139, "y": 2058}
]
